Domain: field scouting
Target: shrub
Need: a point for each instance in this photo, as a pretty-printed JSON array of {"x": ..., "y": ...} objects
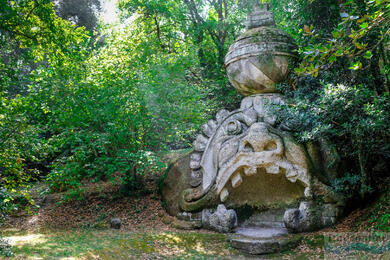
[
  {"x": 5, "y": 248},
  {"x": 354, "y": 118}
]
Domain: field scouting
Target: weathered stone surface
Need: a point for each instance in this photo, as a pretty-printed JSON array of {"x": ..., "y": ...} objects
[
  {"x": 259, "y": 241},
  {"x": 271, "y": 218},
  {"x": 259, "y": 18},
  {"x": 265, "y": 190},
  {"x": 200, "y": 143},
  {"x": 115, "y": 223},
  {"x": 220, "y": 220},
  {"x": 248, "y": 157},
  {"x": 193, "y": 200},
  {"x": 292, "y": 219},
  {"x": 247, "y": 160},
  {"x": 260, "y": 57},
  {"x": 186, "y": 225},
  {"x": 311, "y": 216},
  {"x": 189, "y": 216},
  {"x": 177, "y": 180},
  {"x": 265, "y": 148},
  {"x": 167, "y": 219},
  {"x": 196, "y": 178}
]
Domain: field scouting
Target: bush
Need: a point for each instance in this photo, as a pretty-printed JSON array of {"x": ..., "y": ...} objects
[
  {"x": 350, "y": 185},
  {"x": 354, "y": 118},
  {"x": 5, "y": 248}
]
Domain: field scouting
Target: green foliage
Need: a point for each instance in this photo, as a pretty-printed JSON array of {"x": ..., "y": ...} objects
[
  {"x": 341, "y": 84},
  {"x": 350, "y": 186},
  {"x": 91, "y": 111},
  {"x": 379, "y": 218},
  {"x": 38, "y": 44},
  {"x": 81, "y": 12},
  {"x": 78, "y": 108},
  {"x": 360, "y": 33},
  {"x": 162, "y": 178},
  {"x": 204, "y": 29},
  {"x": 5, "y": 248},
  {"x": 352, "y": 117}
]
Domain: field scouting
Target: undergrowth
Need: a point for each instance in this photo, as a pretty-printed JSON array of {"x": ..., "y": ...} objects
[{"x": 5, "y": 248}]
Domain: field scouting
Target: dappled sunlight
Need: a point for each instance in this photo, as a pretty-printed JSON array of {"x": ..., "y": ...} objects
[
  {"x": 33, "y": 219},
  {"x": 164, "y": 244},
  {"x": 186, "y": 244},
  {"x": 200, "y": 248},
  {"x": 30, "y": 239},
  {"x": 170, "y": 238},
  {"x": 58, "y": 244}
]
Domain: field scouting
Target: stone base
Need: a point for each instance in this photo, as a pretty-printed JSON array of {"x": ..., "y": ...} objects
[
  {"x": 186, "y": 225},
  {"x": 257, "y": 241}
]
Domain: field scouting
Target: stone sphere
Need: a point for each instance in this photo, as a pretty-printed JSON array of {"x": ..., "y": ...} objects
[{"x": 260, "y": 57}]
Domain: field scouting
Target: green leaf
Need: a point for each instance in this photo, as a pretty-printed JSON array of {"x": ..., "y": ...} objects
[
  {"x": 356, "y": 66},
  {"x": 364, "y": 25},
  {"x": 368, "y": 55}
]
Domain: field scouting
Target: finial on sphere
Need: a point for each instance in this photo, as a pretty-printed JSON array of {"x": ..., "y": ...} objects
[
  {"x": 260, "y": 57},
  {"x": 260, "y": 16}
]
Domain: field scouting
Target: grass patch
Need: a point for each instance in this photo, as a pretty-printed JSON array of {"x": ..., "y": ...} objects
[{"x": 88, "y": 243}]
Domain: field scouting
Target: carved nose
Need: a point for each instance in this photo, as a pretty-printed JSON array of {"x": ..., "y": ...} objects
[{"x": 259, "y": 139}]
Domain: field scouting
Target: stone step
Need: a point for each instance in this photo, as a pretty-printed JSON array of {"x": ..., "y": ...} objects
[
  {"x": 257, "y": 241},
  {"x": 256, "y": 232},
  {"x": 272, "y": 218},
  {"x": 265, "y": 224}
]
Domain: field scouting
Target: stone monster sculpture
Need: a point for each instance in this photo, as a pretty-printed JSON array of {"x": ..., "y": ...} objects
[
  {"x": 248, "y": 157},
  {"x": 239, "y": 143},
  {"x": 248, "y": 142}
]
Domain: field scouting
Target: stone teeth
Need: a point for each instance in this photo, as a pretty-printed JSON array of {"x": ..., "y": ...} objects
[
  {"x": 307, "y": 192},
  {"x": 236, "y": 180},
  {"x": 200, "y": 143},
  {"x": 292, "y": 175},
  {"x": 249, "y": 171},
  {"x": 274, "y": 169},
  {"x": 224, "y": 195}
]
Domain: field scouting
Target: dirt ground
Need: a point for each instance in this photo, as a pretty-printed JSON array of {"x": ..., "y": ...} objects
[{"x": 144, "y": 214}]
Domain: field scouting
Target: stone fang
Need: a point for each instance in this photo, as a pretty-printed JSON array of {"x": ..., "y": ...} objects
[
  {"x": 249, "y": 171},
  {"x": 224, "y": 194},
  {"x": 236, "y": 180},
  {"x": 274, "y": 169}
]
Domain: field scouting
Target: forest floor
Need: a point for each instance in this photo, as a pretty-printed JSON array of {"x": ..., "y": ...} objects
[{"x": 79, "y": 229}]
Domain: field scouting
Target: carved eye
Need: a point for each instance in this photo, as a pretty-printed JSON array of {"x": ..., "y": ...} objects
[{"x": 233, "y": 127}]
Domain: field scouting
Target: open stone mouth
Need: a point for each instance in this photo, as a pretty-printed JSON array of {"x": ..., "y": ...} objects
[{"x": 248, "y": 164}]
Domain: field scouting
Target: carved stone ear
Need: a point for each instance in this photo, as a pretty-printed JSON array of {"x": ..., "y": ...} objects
[
  {"x": 228, "y": 150},
  {"x": 200, "y": 143},
  {"x": 222, "y": 115},
  {"x": 209, "y": 128}
]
